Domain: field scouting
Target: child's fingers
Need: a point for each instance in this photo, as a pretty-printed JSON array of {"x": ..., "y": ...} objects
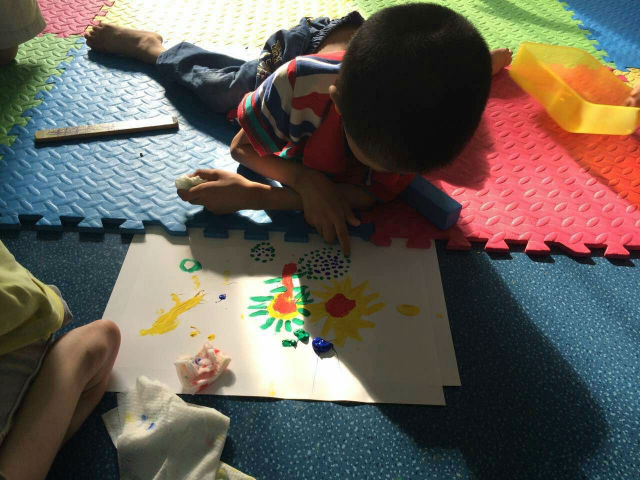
[
  {"x": 343, "y": 237},
  {"x": 349, "y": 216},
  {"x": 206, "y": 174}
]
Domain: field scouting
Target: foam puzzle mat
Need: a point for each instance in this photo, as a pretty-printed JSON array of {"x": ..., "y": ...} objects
[
  {"x": 524, "y": 180},
  {"x": 129, "y": 181},
  {"x": 247, "y": 23},
  {"x": 126, "y": 181},
  {"x": 614, "y": 25},
  {"x": 70, "y": 17},
  {"x": 544, "y": 21},
  {"x": 37, "y": 60}
]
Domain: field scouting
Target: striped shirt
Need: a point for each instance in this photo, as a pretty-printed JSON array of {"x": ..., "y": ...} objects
[{"x": 291, "y": 115}]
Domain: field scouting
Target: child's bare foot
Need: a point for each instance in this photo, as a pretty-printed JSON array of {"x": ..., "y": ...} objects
[
  {"x": 500, "y": 58},
  {"x": 634, "y": 98},
  {"x": 145, "y": 46}
]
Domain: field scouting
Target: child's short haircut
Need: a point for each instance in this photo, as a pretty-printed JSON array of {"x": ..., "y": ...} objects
[{"x": 413, "y": 84}]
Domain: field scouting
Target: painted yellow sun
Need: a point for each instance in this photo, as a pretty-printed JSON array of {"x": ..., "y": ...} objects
[{"x": 343, "y": 306}]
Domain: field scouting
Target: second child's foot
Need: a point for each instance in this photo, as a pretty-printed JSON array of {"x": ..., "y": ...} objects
[
  {"x": 500, "y": 58},
  {"x": 138, "y": 44}
]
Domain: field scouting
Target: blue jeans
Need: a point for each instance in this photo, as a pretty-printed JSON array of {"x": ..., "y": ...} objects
[{"x": 221, "y": 81}]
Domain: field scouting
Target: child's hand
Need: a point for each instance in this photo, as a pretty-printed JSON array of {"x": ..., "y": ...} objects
[
  {"x": 634, "y": 98},
  {"x": 223, "y": 192},
  {"x": 325, "y": 208}
]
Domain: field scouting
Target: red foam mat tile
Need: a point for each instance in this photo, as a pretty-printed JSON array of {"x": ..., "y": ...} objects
[
  {"x": 70, "y": 17},
  {"x": 524, "y": 180}
]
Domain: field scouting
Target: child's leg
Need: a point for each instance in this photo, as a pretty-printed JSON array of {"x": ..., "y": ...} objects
[
  {"x": 500, "y": 58},
  {"x": 7, "y": 55},
  {"x": 69, "y": 385},
  {"x": 219, "y": 80}
]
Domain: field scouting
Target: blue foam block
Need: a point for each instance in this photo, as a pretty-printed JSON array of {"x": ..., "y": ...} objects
[
  {"x": 124, "y": 180},
  {"x": 435, "y": 205}
]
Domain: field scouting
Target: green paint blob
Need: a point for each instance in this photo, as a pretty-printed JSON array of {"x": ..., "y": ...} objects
[
  {"x": 257, "y": 307},
  {"x": 297, "y": 321},
  {"x": 258, "y": 313},
  {"x": 279, "y": 325},
  {"x": 289, "y": 343},
  {"x": 279, "y": 290},
  {"x": 287, "y": 325},
  {"x": 273, "y": 280},
  {"x": 193, "y": 268},
  {"x": 302, "y": 335},
  {"x": 261, "y": 299},
  {"x": 268, "y": 323},
  {"x": 304, "y": 312}
]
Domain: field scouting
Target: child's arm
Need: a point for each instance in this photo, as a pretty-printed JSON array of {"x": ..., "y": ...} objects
[
  {"x": 227, "y": 192},
  {"x": 325, "y": 205}
]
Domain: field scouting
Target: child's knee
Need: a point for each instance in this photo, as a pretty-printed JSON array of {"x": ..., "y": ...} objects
[
  {"x": 95, "y": 345},
  {"x": 105, "y": 341}
]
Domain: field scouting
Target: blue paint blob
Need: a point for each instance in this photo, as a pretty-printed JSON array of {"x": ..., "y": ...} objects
[
  {"x": 153, "y": 424},
  {"x": 222, "y": 296},
  {"x": 320, "y": 345},
  {"x": 143, "y": 418}
]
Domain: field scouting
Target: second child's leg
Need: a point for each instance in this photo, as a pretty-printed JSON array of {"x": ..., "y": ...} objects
[
  {"x": 69, "y": 385},
  {"x": 7, "y": 55}
]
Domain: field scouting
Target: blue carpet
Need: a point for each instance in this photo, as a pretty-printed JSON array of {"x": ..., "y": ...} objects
[{"x": 549, "y": 355}]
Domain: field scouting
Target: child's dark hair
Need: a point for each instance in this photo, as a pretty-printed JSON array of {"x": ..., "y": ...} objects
[{"x": 413, "y": 85}]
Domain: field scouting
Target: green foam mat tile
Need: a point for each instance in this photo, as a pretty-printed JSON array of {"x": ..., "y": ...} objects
[
  {"x": 508, "y": 23},
  {"x": 37, "y": 60}
]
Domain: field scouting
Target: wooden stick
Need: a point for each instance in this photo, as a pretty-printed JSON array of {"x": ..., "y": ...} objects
[{"x": 102, "y": 129}]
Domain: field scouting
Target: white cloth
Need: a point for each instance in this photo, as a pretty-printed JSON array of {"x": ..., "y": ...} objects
[
  {"x": 20, "y": 20},
  {"x": 160, "y": 436}
]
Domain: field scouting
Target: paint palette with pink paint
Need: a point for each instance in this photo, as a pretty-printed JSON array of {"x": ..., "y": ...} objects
[{"x": 282, "y": 319}]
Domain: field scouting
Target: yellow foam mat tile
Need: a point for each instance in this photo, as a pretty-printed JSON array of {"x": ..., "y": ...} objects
[
  {"x": 633, "y": 75},
  {"x": 221, "y": 22}
]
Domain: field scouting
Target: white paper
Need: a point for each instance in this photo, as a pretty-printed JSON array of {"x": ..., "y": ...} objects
[{"x": 402, "y": 359}]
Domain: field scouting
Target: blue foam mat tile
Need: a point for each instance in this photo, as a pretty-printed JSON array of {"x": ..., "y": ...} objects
[
  {"x": 614, "y": 25},
  {"x": 125, "y": 180}
]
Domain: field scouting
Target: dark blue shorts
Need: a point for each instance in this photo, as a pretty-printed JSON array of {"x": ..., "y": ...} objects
[{"x": 221, "y": 81}]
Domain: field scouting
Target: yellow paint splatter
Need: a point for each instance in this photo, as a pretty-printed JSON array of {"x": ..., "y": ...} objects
[
  {"x": 439, "y": 315},
  {"x": 194, "y": 332},
  {"x": 211, "y": 337},
  {"x": 128, "y": 417},
  {"x": 242, "y": 316},
  {"x": 169, "y": 321},
  {"x": 160, "y": 312},
  {"x": 272, "y": 391},
  {"x": 344, "y": 321},
  {"x": 196, "y": 281},
  {"x": 408, "y": 310},
  {"x": 227, "y": 276}
]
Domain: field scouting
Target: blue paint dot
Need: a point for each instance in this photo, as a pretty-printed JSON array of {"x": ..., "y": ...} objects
[
  {"x": 222, "y": 296},
  {"x": 143, "y": 418},
  {"x": 153, "y": 424},
  {"x": 320, "y": 345}
]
